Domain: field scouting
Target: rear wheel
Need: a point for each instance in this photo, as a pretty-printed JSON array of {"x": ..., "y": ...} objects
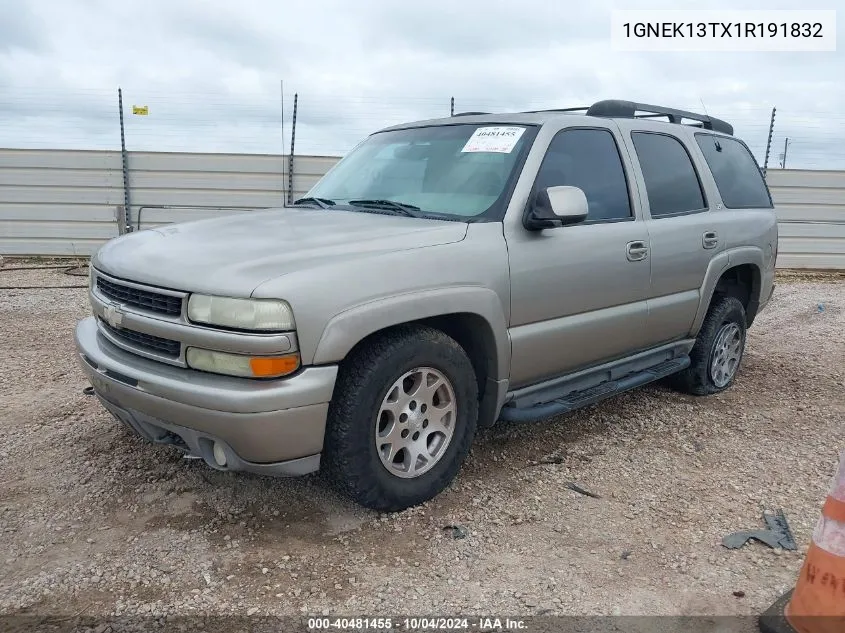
[
  {"x": 718, "y": 350},
  {"x": 402, "y": 418}
]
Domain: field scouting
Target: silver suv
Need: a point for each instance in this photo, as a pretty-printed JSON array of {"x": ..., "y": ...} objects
[{"x": 444, "y": 275}]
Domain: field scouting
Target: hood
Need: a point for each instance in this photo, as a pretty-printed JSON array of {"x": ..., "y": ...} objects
[{"x": 233, "y": 255}]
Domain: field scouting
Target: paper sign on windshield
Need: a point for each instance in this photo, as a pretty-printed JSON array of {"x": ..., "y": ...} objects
[{"x": 494, "y": 139}]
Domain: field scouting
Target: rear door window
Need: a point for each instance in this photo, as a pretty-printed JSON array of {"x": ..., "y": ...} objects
[
  {"x": 671, "y": 181},
  {"x": 735, "y": 171}
]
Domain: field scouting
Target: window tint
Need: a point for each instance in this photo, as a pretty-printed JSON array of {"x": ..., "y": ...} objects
[
  {"x": 736, "y": 173},
  {"x": 670, "y": 180},
  {"x": 588, "y": 159}
]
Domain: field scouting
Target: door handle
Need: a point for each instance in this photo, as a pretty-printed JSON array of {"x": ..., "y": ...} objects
[
  {"x": 710, "y": 239},
  {"x": 636, "y": 251}
]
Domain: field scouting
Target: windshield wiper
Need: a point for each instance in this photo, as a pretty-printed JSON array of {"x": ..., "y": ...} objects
[
  {"x": 323, "y": 203},
  {"x": 399, "y": 208}
]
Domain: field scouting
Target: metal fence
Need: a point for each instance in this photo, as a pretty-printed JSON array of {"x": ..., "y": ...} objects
[
  {"x": 257, "y": 117},
  {"x": 66, "y": 202},
  {"x": 58, "y": 202},
  {"x": 810, "y": 207}
]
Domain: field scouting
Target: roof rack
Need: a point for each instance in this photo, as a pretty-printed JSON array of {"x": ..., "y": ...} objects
[
  {"x": 614, "y": 108},
  {"x": 469, "y": 113},
  {"x": 581, "y": 109}
]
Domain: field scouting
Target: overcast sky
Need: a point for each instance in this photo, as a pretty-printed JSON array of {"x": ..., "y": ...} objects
[{"x": 210, "y": 71}]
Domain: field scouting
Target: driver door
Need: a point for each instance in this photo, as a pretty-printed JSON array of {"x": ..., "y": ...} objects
[{"x": 579, "y": 292}]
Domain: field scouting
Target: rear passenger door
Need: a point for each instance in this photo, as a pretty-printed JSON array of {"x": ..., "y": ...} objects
[{"x": 684, "y": 233}]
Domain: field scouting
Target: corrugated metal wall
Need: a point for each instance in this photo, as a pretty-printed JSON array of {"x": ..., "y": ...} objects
[
  {"x": 181, "y": 187},
  {"x": 811, "y": 217},
  {"x": 58, "y": 202}
]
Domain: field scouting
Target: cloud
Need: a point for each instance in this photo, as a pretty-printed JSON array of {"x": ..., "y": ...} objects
[
  {"x": 211, "y": 71},
  {"x": 19, "y": 28},
  {"x": 476, "y": 29}
]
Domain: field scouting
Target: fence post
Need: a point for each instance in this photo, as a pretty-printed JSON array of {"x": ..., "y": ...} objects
[
  {"x": 290, "y": 157},
  {"x": 127, "y": 209},
  {"x": 769, "y": 142},
  {"x": 282, "y": 92}
]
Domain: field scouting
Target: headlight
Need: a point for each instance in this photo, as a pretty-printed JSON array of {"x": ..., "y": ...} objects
[
  {"x": 243, "y": 314},
  {"x": 239, "y": 365},
  {"x": 90, "y": 276}
]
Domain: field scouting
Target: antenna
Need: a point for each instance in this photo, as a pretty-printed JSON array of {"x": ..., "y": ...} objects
[
  {"x": 704, "y": 107},
  {"x": 707, "y": 114}
]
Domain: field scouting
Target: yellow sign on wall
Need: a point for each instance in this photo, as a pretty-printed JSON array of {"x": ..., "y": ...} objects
[{"x": 142, "y": 110}]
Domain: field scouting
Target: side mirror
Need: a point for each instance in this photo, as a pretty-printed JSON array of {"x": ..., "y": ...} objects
[{"x": 556, "y": 206}]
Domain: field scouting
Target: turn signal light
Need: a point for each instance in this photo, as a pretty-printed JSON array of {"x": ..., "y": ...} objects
[{"x": 265, "y": 366}]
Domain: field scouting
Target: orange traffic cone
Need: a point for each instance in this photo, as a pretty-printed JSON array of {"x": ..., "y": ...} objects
[{"x": 817, "y": 604}]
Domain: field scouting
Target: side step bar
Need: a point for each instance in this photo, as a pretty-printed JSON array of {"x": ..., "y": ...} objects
[{"x": 577, "y": 399}]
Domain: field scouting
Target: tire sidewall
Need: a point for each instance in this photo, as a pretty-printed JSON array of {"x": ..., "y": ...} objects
[
  {"x": 458, "y": 370},
  {"x": 728, "y": 310}
]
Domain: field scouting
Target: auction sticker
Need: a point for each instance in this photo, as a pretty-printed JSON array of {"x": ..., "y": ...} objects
[{"x": 494, "y": 139}]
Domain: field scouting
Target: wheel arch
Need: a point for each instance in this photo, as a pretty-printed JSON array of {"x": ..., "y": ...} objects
[
  {"x": 743, "y": 282},
  {"x": 736, "y": 273},
  {"x": 473, "y": 316}
]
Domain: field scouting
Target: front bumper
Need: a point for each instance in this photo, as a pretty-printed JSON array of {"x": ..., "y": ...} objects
[{"x": 271, "y": 427}]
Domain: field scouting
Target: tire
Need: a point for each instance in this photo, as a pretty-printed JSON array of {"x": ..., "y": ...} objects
[
  {"x": 359, "y": 418},
  {"x": 725, "y": 317}
]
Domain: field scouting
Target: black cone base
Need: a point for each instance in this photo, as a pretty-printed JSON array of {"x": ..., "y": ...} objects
[{"x": 773, "y": 620}]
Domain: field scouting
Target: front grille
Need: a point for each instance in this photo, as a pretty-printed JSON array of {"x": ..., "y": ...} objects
[
  {"x": 144, "y": 299},
  {"x": 148, "y": 342}
]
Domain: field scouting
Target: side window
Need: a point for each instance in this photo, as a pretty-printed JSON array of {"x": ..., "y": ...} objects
[
  {"x": 737, "y": 176},
  {"x": 671, "y": 183},
  {"x": 589, "y": 159}
]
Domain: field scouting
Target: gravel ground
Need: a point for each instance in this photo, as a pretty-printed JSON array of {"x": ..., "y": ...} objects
[{"x": 95, "y": 521}]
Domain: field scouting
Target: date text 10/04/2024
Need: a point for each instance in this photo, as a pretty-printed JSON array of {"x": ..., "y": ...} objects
[{"x": 417, "y": 624}]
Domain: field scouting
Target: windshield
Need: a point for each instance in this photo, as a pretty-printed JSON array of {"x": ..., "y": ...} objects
[{"x": 452, "y": 170}]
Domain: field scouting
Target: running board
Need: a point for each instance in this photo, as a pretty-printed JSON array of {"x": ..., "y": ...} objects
[{"x": 577, "y": 399}]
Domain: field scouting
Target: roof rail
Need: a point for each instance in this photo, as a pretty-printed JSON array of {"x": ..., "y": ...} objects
[
  {"x": 581, "y": 109},
  {"x": 469, "y": 113},
  {"x": 614, "y": 108}
]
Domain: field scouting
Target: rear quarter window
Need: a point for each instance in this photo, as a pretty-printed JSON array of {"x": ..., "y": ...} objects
[{"x": 735, "y": 171}]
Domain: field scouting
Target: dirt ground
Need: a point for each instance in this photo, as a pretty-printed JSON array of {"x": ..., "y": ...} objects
[{"x": 95, "y": 521}]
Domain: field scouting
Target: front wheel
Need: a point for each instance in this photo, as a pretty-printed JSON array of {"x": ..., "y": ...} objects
[
  {"x": 718, "y": 350},
  {"x": 402, "y": 418}
]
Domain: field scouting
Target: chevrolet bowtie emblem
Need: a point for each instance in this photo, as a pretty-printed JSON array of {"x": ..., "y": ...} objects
[{"x": 113, "y": 315}]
